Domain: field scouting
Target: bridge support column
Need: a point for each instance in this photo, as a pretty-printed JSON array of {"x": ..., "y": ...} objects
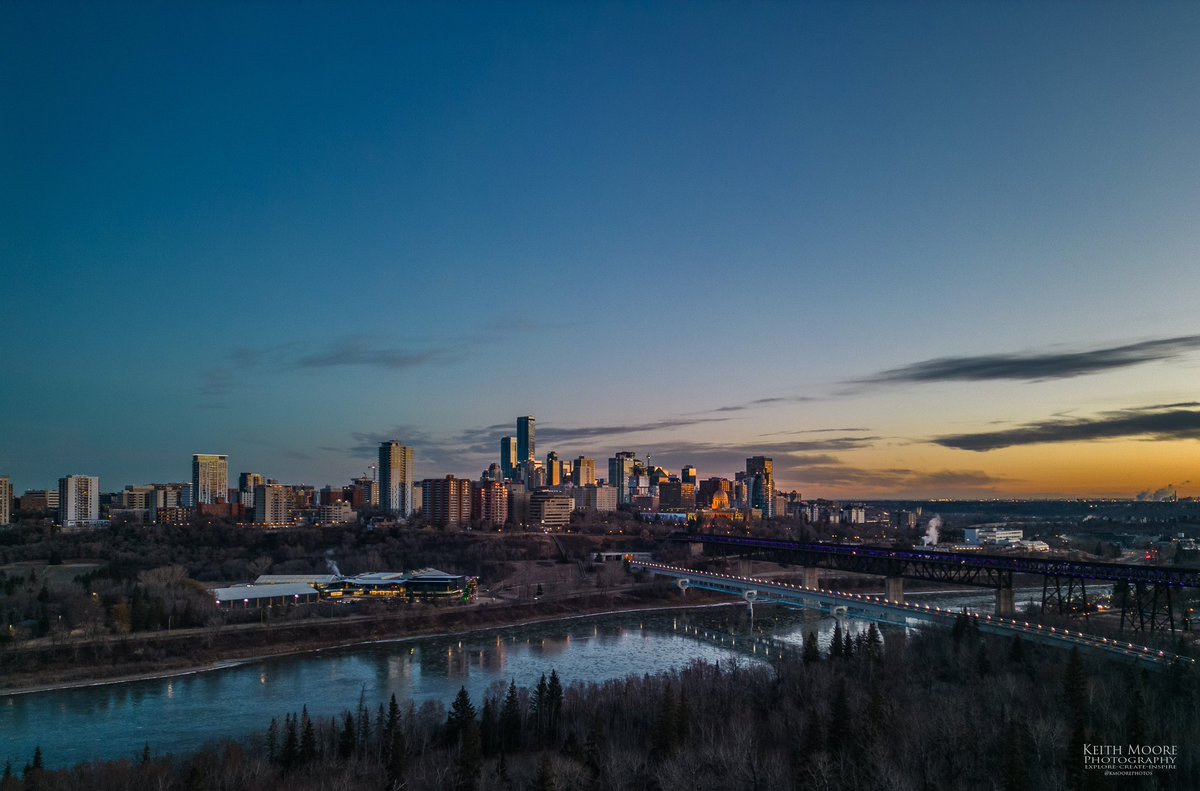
[
  {"x": 1005, "y": 602},
  {"x": 894, "y": 589},
  {"x": 812, "y": 577}
]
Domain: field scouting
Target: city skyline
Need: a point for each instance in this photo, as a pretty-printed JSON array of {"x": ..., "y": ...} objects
[{"x": 945, "y": 250}]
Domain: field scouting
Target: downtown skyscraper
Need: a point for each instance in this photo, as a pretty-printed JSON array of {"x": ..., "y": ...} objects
[
  {"x": 526, "y": 433},
  {"x": 210, "y": 478},
  {"x": 396, "y": 475}
]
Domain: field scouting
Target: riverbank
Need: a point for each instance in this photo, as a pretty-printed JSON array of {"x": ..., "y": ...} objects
[{"x": 187, "y": 652}]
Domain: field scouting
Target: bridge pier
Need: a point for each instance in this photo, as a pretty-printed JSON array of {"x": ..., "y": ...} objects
[
  {"x": 1005, "y": 602},
  {"x": 812, "y": 577},
  {"x": 894, "y": 589}
]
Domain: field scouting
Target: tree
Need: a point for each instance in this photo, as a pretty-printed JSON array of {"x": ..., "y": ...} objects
[
  {"x": 273, "y": 739},
  {"x": 510, "y": 720},
  {"x": 1135, "y": 717},
  {"x": 461, "y": 711},
  {"x": 839, "y": 720},
  {"x": 347, "y": 739},
  {"x": 397, "y": 757},
  {"x": 290, "y": 755},
  {"x": 554, "y": 701},
  {"x": 1016, "y": 651},
  {"x": 666, "y": 725},
  {"x": 308, "y": 738},
  {"x": 812, "y": 650},
  {"x": 874, "y": 643},
  {"x": 544, "y": 779}
]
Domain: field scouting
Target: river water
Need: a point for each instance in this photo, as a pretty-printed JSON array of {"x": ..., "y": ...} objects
[{"x": 181, "y": 713}]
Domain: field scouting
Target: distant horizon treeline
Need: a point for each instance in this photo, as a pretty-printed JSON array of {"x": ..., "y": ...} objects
[{"x": 938, "y": 710}]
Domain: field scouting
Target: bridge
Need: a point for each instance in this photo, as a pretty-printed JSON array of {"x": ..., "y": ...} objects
[
  {"x": 1145, "y": 593},
  {"x": 885, "y": 610}
]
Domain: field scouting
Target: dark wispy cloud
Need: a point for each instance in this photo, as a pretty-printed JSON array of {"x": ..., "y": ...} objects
[
  {"x": 1161, "y": 422},
  {"x": 761, "y": 402},
  {"x": 890, "y": 479},
  {"x": 1036, "y": 366},
  {"x": 369, "y": 353}
]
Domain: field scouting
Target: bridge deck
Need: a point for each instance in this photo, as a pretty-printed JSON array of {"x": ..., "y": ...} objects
[{"x": 880, "y": 609}]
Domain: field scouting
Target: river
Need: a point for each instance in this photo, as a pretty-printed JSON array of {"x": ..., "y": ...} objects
[{"x": 181, "y": 713}]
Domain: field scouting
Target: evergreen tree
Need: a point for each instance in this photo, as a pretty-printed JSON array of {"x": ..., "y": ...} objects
[
  {"x": 874, "y": 644},
  {"x": 1015, "y": 769},
  {"x": 554, "y": 702},
  {"x": 839, "y": 721},
  {"x": 393, "y": 715},
  {"x": 145, "y": 753},
  {"x": 290, "y": 755},
  {"x": 666, "y": 726},
  {"x": 510, "y": 720},
  {"x": 982, "y": 664},
  {"x": 488, "y": 728},
  {"x": 397, "y": 757},
  {"x": 308, "y": 738},
  {"x": 544, "y": 779},
  {"x": 1075, "y": 696},
  {"x": 37, "y": 758},
  {"x": 812, "y": 650},
  {"x": 1135, "y": 717},
  {"x": 462, "y": 712},
  {"x": 273, "y": 740},
  {"x": 847, "y": 645},
  {"x": 363, "y": 733},
  {"x": 347, "y": 739},
  {"x": 469, "y": 762},
  {"x": 1016, "y": 651},
  {"x": 835, "y": 645},
  {"x": 537, "y": 709}
]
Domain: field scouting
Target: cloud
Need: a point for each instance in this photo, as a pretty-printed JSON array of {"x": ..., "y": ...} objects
[
  {"x": 908, "y": 481},
  {"x": 1154, "y": 422},
  {"x": 364, "y": 351},
  {"x": 1036, "y": 367},
  {"x": 764, "y": 402}
]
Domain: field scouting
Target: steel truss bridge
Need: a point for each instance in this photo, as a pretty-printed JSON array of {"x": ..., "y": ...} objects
[
  {"x": 1143, "y": 593},
  {"x": 882, "y": 610}
]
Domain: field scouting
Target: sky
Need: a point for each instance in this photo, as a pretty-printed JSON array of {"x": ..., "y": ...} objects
[{"x": 906, "y": 250}]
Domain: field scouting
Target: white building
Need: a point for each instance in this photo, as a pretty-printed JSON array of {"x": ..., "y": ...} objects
[
  {"x": 78, "y": 501},
  {"x": 210, "y": 478},
  {"x": 975, "y": 536}
]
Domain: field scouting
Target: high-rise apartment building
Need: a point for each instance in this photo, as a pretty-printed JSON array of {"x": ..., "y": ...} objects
[
  {"x": 489, "y": 503},
  {"x": 690, "y": 475},
  {"x": 526, "y": 432},
  {"x": 620, "y": 469},
  {"x": 5, "y": 501},
  {"x": 585, "y": 471},
  {"x": 247, "y": 483},
  {"x": 273, "y": 504},
  {"x": 446, "y": 501},
  {"x": 760, "y": 480},
  {"x": 396, "y": 479},
  {"x": 508, "y": 458},
  {"x": 78, "y": 500},
  {"x": 210, "y": 479}
]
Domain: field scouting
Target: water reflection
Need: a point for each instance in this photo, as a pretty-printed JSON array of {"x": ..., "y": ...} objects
[{"x": 184, "y": 712}]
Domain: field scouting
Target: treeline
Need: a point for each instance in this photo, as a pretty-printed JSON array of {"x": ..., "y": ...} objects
[
  {"x": 941, "y": 710},
  {"x": 223, "y": 552}
]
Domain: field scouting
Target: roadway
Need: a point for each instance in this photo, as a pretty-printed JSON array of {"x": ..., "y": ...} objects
[{"x": 880, "y": 609}]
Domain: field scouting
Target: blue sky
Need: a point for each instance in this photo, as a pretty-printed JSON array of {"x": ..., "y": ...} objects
[{"x": 284, "y": 231}]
